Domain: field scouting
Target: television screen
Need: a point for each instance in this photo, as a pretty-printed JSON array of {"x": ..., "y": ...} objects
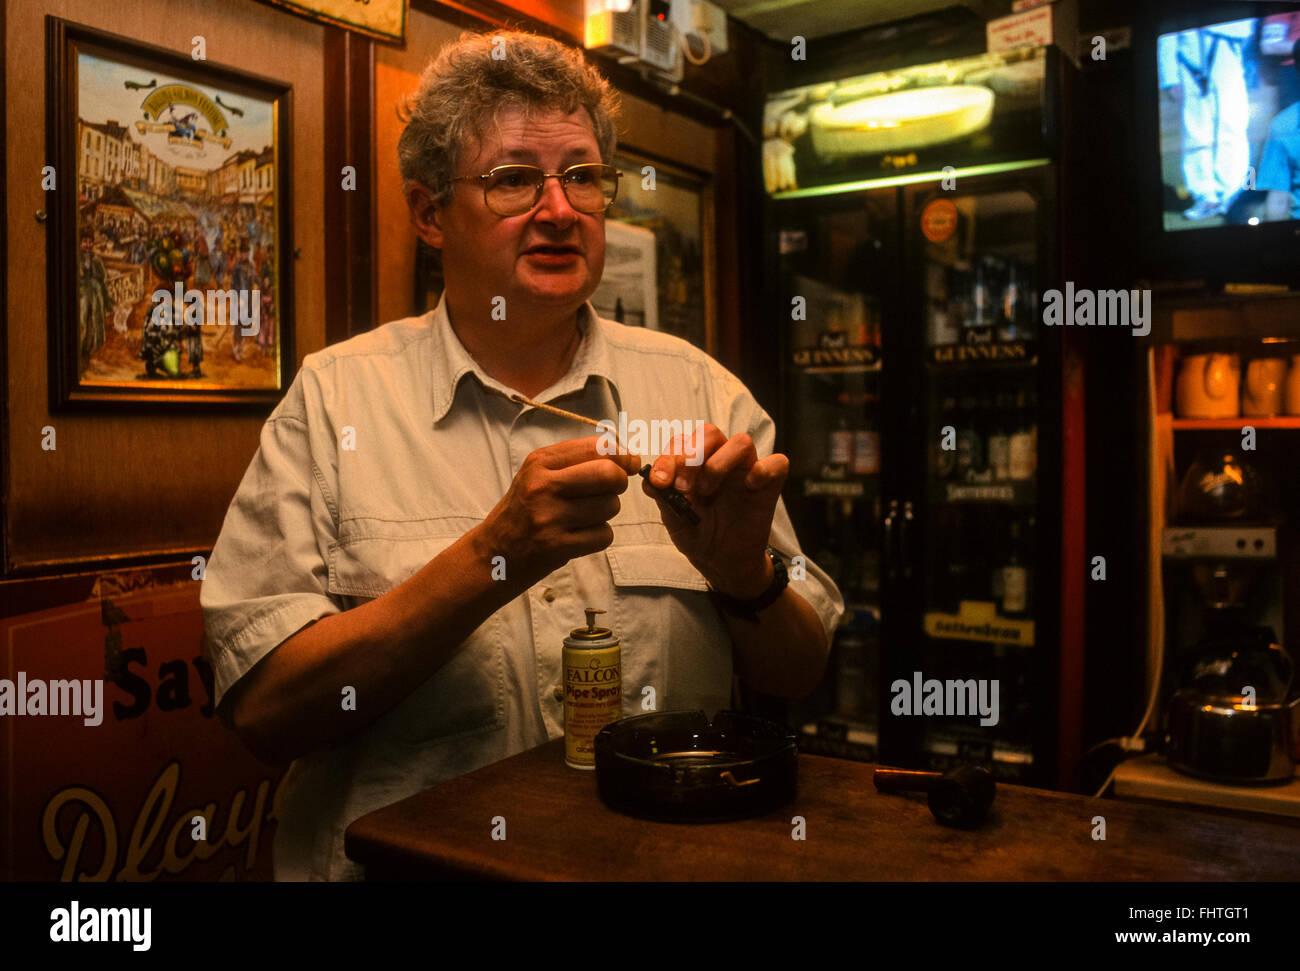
[{"x": 1230, "y": 122}]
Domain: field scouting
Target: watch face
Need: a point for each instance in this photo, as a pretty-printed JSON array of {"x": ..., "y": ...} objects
[{"x": 778, "y": 562}]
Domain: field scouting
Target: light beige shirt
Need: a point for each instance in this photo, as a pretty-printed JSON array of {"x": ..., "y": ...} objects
[{"x": 386, "y": 449}]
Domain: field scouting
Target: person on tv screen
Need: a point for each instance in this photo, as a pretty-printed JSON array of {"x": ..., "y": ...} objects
[
  {"x": 1205, "y": 68},
  {"x": 1279, "y": 166}
]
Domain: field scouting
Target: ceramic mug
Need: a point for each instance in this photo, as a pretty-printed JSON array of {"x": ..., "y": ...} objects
[
  {"x": 1265, "y": 380},
  {"x": 1208, "y": 386},
  {"x": 1293, "y": 387}
]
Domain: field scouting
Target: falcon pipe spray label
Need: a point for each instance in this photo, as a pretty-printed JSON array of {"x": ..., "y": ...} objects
[{"x": 593, "y": 688}]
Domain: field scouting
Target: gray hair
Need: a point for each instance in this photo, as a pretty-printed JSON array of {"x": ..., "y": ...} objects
[{"x": 465, "y": 87}]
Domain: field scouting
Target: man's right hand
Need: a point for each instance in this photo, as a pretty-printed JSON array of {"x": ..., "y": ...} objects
[{"x": 558, "y": 507}]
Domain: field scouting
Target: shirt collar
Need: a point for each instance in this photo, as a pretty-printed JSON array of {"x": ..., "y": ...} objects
[{"x": 451, "y": 362}]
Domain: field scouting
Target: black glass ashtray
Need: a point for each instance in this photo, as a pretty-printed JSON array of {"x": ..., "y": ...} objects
[{"x": 677, "y": 765}]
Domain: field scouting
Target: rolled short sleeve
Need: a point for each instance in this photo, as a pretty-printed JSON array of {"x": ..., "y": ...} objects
[
  {"x": 806, "y": 578},
  {"x": 1279, "y": 162},
  {"x": 268, "y": 575}
]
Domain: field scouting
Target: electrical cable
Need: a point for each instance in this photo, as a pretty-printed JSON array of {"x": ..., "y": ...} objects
[{"x": 685, "y": 45}]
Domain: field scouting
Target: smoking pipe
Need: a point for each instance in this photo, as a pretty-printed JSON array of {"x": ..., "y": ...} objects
[{"x": 960, "y": 797}]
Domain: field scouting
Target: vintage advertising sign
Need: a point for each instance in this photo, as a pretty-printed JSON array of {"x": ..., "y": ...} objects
[
  {"x": 383, "y": 19},
  {"x": 1030, "y": 29},
  {"x": 939, "y": 220},
  {"x": 977, "y": 620},
  {"x": 116, "y": 768}
]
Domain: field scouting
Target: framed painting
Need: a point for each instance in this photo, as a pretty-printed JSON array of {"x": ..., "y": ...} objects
[
  {"x": 676, "y": 206},
  {"x": 169, "y": 236}
]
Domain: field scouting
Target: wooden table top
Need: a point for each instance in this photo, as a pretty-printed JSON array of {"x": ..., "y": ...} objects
[{"x": 556, "y": 828}]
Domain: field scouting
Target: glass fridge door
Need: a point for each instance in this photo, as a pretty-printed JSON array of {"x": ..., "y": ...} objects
[
  {"x": 839, "y": 262},
  {"x": 970, "y": 676}
]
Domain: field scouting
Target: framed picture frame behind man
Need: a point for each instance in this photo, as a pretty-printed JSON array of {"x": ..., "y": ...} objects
[
  {"x": 169, "y": 237},
  {"x": 676, "y": 204}
]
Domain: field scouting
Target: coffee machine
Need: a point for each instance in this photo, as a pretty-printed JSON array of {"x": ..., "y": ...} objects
[{"x": 1230, "y": 710}]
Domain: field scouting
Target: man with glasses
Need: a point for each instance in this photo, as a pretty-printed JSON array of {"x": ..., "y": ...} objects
[{"x": 388, "y": 597}]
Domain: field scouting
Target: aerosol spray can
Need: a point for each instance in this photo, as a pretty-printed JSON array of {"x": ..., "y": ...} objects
[{"x": 593, "y": 688}]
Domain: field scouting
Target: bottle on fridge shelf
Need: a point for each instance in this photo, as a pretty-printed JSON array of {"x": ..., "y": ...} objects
[
  {"x": 866, "y": 451},
  {"x": 1024, "y": 440},
  {"x": 839, "y": 450},
  {"x": 941, "y": 326},
  {"x": 984, "y": 301},
  {"x": 1015, "y": 577},
  {"x": 1000, "y": 440},
  {"x": 1016, "y": 315}
]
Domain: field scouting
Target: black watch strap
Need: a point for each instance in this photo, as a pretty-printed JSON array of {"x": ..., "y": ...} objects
[{"x": 750, "y": 609}]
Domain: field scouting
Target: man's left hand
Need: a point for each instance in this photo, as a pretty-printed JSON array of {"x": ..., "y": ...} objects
[{"x": 735, "y": 494}]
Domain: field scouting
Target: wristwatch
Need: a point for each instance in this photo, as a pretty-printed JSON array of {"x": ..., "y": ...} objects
[{"x": 750, "y": 609}]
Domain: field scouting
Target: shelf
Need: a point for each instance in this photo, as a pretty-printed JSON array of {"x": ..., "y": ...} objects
[
  {"x": 1150, "y": 777},
  {"x": 836, "y": 368},
  {"x": 1234, "y": 424}
]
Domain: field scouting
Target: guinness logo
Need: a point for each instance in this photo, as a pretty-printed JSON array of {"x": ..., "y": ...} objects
[
  {"x": 834, "y": 356},
  {"x": 956, "y": 353}
]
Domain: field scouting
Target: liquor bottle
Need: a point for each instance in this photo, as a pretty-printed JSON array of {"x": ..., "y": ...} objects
[
  {"x": 1015, "y": 578},
  {"x": 999, "y": 440},
  {"x": 1011, "y": 325},
  {"x": 942, "y": 328},
  {"x": 984, "y": 302},
  {"x": 839, "y": 452},
  {"x": 866, "y": 451},
  {"x": 1024, "y": 441}
]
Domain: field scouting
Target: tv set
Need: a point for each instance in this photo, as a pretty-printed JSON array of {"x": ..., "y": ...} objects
[{"x": 1219, "y": 131}]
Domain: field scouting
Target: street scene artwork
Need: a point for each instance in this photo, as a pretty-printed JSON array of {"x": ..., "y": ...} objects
[{"x": 179, "y": 264}]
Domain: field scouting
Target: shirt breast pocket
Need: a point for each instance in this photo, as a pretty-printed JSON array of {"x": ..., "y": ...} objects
[
  {"x": 673, "y": 639},
  {"x": 467, "y": 694}
]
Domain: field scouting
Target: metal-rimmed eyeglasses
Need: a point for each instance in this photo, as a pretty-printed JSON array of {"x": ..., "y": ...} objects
[{"x": 512, "y": 190}]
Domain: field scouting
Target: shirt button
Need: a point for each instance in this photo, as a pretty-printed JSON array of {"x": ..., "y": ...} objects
[
  {"x": 558, "y": 693},
  {"x": 549, "y": 595}
]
